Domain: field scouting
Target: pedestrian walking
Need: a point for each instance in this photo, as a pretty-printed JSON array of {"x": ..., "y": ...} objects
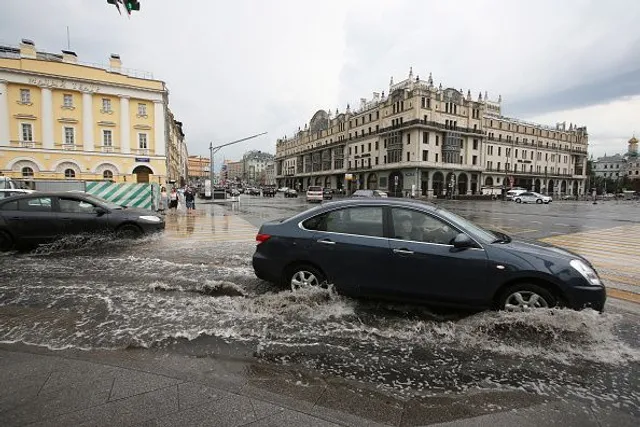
[
  {"x": 164, "y": 199},
  {"x": 173, "y": 199},
  {"x": 190, "y": 200}
]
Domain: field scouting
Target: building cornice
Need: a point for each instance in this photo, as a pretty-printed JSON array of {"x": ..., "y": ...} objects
[
  {"x": 51, "y": 81},
  {"x": 80, "y": 152}
]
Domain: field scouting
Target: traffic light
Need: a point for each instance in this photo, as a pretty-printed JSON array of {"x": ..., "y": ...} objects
[
  {"x": 132, "y": 5},
  {"x": 129, "y": 5}
]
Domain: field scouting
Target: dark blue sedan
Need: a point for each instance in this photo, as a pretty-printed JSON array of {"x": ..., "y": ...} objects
[{"x": 417, "y": 252}]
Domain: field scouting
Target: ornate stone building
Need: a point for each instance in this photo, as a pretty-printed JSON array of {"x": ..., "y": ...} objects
[{"x": 434, "y": 141}]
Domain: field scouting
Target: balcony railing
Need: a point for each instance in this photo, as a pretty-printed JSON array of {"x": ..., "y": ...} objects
[
  {"x": 359, "y": 168},
  {"x": 108, "y": 149},
  {"x": 25, "y": 144}
]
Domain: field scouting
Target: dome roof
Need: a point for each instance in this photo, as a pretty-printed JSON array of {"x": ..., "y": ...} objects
[{"x": 633, "y": 140}]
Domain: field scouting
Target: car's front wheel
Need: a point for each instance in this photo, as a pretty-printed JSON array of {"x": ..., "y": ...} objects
[
  {"x": 6, "y": 242},
  {"x": 538, "y": 201},
  {"x": 526, "y": 297},
  {"x": 128, "y": 231},
  {"x": 304, "y": 276},
  {"x": 518, "y": 200}
]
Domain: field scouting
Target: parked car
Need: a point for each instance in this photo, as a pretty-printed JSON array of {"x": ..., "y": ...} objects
[
  {"x": 10, "y": 192},
  {"x": 327, "y": 194},
  {"x": 369, "y": 193},
  {"x": 532, "y": 197},
  {"x": 511, "y": 194},
  {"x": 290, "y": 192},
  {"x": 315, "y": 194},
  {"x": 41, "y": 217},
  {"x": 268, "y": 192},
  {"x": 282, "y": 189},
  {"x": 252, "y": 191},
  {"x": 414, "y": 251}
]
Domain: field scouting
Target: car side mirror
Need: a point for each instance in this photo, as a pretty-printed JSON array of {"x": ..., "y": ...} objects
[
  {"x": 100, "y": 211},
  {"x": 462, "y": 241}
]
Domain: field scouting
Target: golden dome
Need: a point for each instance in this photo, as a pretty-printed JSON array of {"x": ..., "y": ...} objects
[{"x": 633, "y": 140}]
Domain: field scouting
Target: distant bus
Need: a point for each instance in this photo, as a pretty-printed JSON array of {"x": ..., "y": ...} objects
[
  {"x": 6, "y": 183},
  {"x": 494, "y": 192},
  {"x": 207, "y": 188}
]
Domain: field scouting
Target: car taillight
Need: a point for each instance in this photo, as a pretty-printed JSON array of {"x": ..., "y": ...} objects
[{"x": 261, "y": 238}]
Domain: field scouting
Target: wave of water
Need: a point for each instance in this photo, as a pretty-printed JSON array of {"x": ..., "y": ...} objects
[{"x": 126, "y": 299}]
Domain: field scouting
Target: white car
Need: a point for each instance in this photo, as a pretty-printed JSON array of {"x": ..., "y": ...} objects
[
  {"x": 10, "y": 192},
  {"x": 513, "y": 193},
  {"x": 532, "y": 197},
  {"x": 315, "y": 194},
  {"x": 369, "y": 193}
]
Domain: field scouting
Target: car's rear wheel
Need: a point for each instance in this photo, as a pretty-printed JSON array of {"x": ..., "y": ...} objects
[
  {"x": 526, "y": 297},
  {"x": 6, "y": 242},
  {"x": 538, "y": 201},
  {"x": 518, "y": 200},
  {"x": 304, "y": 276},
  {"x": 129, "y": 231}
]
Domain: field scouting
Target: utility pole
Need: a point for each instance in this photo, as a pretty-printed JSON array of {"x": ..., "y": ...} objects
[{"x": 213, "y": 150}]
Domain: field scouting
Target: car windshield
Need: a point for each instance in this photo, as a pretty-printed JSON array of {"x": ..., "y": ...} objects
[
  {"x": 99, "y": 201},
  {"x": 485, "y": 236}
]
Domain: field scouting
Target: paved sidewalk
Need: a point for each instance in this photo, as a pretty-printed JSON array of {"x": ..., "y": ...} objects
[{"x": 144, "y": 387}]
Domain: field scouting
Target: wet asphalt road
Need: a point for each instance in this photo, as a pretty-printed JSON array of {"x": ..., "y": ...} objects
[{"x": 191, "y": 294}]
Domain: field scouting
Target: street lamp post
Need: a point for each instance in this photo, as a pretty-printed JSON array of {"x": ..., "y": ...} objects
[{"x": 213, "y": 150}]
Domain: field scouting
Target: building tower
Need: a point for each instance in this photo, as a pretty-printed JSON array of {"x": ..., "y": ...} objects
[{"x": 633, "y": 147}]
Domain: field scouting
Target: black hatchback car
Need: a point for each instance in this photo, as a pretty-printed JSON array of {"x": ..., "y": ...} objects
[
  {"x": 42, "y": 217},
  {"x": 416, "y": 252}
]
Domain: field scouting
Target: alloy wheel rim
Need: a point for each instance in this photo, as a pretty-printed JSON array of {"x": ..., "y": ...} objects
[
  {"x": 525, "y": 301},
  {"x": 304, "y": 279}
]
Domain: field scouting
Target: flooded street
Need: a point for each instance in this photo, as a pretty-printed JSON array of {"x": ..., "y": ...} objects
[{"x": 192, "y": 291}]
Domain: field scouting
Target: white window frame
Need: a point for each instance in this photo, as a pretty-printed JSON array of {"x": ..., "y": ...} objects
[
  {"x": 65, "y": 143},
  {"x": 106, "y": 105},
  {"x": 142, "y": 109},
  {"x": 25, "y": 96},
  {"x": 104, "y": 142},
  {"x": 21, "y": 132},
  {"x": 146, "y": 141},
  {"x": 65, "y": 97}
]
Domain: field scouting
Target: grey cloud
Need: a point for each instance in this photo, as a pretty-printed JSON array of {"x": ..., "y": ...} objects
[
  {"x": 584, "y": 95},
  {"x": 242, "y": 67}
]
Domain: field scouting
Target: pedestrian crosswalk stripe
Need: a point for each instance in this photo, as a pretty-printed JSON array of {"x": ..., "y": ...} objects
[
  {"x": 614, "y": 252},
  {"x": 197, "y": 227},
  {"x": 623, "y": 295}
]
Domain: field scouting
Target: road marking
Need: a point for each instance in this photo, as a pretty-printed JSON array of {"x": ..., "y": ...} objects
[
  {"x": 536, "y": 222},
  {"x": 562, "y": 224},
  {"x": 623, "y": 295},
  {"x": 620, "y": 279},
  {"x": 204, "y": 228},
  {"x": 615, "y": 249}
]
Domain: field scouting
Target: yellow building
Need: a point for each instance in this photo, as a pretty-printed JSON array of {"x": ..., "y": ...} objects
[
  {"x": 61, "y": 119},
  {"x": 198, "y": 168}
]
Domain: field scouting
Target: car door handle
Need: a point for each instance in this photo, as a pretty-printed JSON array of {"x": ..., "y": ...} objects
[
  {"x": 403, "y": 251},
  {"x": 326, "y": 242}
]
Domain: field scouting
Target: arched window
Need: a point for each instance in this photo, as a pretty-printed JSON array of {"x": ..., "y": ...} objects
[
  {"x": 27, "y": 172},
  {"x": 107, "y": 174},
  {"x": 69, "y": 173}
]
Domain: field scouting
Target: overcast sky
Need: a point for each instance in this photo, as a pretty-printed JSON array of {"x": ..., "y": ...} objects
[{"x": 242, "y": 67}]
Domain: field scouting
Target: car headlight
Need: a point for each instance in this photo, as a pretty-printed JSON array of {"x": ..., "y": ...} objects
[
  {"x": 587, "y": 272},
  {"x": 150, "y": 218}
]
